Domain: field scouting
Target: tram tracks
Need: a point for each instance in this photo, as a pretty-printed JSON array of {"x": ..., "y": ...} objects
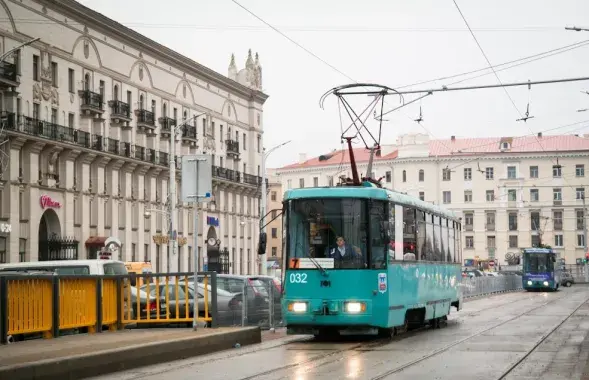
[{"x": 439, "y": 351}]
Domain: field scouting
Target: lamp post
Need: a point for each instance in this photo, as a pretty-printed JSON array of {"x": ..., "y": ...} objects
[
  {"x": 174, "y": 132},
  {"x": 263, "y": 208},
  {"x": 167, "y": 215}
]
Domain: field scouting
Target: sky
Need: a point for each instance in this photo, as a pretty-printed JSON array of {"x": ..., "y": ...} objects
[{"x": 388, "y": 42}]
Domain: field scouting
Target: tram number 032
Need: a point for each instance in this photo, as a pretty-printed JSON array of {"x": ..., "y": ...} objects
[{"x": 298, "y": 278}]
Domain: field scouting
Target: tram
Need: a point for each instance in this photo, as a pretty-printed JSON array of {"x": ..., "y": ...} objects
[
  {"x": 540, "y": 271},
  {"x": 343, "y": 275}
]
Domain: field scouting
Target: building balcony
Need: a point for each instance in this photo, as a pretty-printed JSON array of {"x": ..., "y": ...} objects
[
  {"x": 166, "y": 125},
  {"x": 120, "y": 112},
  {"x": 226, "y": 174},
  {"x": 92, "y": 104},
  {"x": 8, "y": 76},
  {"x": 164, "y": 159},
  {"x": 232, "y": 149},
  {"x": 189, "y": 135},
  {"x": 145, "y": 121},
  {"x": 252, "y": 179}
]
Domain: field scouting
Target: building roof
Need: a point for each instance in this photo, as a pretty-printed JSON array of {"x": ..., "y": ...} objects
[
  {"x": 340, "y": 157},
  {"x": 464, "y": 146},
  {"x": 522, "y": 144}
]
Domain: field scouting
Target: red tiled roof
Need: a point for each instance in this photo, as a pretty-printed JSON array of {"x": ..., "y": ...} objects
[
  {"x": 335, "y": 158},
  {"x": 523, "y": 144},
  {"x": 466, "y": 146}
]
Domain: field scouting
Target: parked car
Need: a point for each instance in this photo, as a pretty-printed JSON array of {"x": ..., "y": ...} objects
[
  {"x": 274, "y": 286},
  {"x": 566, "y": 278}
]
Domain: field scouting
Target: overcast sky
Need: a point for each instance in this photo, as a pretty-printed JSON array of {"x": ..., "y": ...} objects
[{"x": 390, "y": 42}]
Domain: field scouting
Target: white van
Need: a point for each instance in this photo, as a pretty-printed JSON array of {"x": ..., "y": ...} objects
[{"x": 75, "y": 267}]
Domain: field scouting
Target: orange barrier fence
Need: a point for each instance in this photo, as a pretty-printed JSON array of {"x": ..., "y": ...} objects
[{"x": 50, "y": 304}]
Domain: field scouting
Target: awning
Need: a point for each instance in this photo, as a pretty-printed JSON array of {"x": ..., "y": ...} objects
[{"x": 96, "y": 241}]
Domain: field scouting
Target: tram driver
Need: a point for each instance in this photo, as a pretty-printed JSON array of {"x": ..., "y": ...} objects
[{"x": 345, "y": 254}]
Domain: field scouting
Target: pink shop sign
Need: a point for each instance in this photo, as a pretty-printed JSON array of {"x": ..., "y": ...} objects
[{"x": 47, "y": 202}]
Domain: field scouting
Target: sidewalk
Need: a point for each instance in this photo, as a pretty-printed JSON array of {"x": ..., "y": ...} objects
[{"x": 78, "y": 356}]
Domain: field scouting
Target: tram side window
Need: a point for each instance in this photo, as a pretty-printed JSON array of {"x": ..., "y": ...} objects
[
  {"x": 458, "y": 240},
  {"x": 391, "y": 248},
  {"x": 445, "y": 242},
  {"x": 379, "y": 234},
  {"x": 409, "y": 234},
  {"x": 421, "y": 235},
  {"x": 437, "y": 240},
  {"x": 429, "y": 237},
  {"x": 452, "y": 242}
]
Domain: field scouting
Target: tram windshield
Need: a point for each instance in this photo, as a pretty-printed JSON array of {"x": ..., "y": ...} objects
[
  {"x": 538, "y": 263},
  {"x": 334, "y": 233}
]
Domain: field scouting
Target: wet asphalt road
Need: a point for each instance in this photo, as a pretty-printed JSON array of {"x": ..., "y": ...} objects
[{"x": 516, "y": 336}]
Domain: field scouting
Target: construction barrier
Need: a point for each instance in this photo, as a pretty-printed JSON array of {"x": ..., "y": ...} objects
[{"x": 48, "y": 305}]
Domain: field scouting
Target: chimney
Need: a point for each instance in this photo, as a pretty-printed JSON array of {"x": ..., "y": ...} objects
[
  {"x": 302, "y": 158},
  {"x": 539, "y": 134},
  {"x": 453, "y": 138}
]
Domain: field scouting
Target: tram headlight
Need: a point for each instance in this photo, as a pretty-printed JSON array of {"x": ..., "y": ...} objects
[
  {"x": 354, "y": 307},
  {"x": 297, "y": 307},
  {"x": 529, "y": 282},
  {"x": 545, "y": 283}
]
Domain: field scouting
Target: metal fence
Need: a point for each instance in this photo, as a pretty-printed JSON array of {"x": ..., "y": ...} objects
[
  {"x": 577, "y": 271},
  {"x": 480, "y": 286}
]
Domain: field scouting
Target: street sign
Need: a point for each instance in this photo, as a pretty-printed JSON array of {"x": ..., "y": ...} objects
[{"x": 196, "y": 182}]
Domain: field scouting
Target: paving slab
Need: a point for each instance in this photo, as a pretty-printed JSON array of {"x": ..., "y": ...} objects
[{"x": 85, "y": 355}]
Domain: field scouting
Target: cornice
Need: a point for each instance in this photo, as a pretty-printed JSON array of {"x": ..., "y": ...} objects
[{"x": 112, "y": 28}]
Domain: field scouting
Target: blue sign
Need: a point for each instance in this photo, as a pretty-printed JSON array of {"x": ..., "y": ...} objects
[{"x": 212, "y": 221}]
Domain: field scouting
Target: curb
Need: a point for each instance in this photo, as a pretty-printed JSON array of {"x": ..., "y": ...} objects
[
  {"x": 129, "y": 357},
  {"x": 483, "y": 295}
]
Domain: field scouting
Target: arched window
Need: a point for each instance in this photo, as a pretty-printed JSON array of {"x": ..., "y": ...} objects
[
  {"x": 141, "y": 101},
  {"x": 404, "y": 175},
  {"x": 87, "y": 82},
  {"x": 116, "y": 92},
  {"x": 165, "y": 110},
  {"x": 421, "y": 175}
]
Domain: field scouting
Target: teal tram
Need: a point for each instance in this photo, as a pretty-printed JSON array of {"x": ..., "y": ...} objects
[
  {"x": 361, "y": 259},
  {"x": 540, "y": 271}
]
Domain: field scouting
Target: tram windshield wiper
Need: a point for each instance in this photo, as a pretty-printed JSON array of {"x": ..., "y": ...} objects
[{"x": 323, "y": 271}]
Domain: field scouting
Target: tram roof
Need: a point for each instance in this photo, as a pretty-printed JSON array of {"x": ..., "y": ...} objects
[{"x": 368, "y": 192}]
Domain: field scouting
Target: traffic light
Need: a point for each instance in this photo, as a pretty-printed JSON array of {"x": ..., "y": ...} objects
[{"x": 262, "y": 244}]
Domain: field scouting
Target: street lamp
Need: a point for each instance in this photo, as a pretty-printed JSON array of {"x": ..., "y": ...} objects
[
  {"x": 3, "y": 57},
  {"x": 175, "y": 131},
  {"x": 576, "y": 28},
  {"x": 263, "y": 208}
]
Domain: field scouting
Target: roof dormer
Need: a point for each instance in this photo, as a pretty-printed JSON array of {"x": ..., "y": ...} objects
[{"x": 505, "y": 143}]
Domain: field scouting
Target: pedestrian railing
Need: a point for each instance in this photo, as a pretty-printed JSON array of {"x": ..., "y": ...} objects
[{"x": 486, "y": 285}]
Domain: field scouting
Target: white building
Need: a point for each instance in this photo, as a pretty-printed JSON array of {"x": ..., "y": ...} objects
[
  {"x": 87, "y": 112},
  {"x": 511, "y": 192}
]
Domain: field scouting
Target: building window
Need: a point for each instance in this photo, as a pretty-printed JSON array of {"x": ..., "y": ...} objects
[
  {"x": 87, "y": 82},
  {"x": 535, "y": 221},
  {"x": 273, "y": 214},
  {"x": 558, "y": 240},
  {"x": 557, "y": 195},
  {"x": 512, "y": 221},
  {"x": 580, "y": 219},
  {"x": 533, "y": 172},
  {"x": 535, "y": 241},
  {"x": 289, "y": 184},
  {"x": 468, "y": 196},
  {"x": 388, "y": 177},
  {"x": 301, "y": 183},
  {"x": 468, "y": 221},
  {"x": 274, "y": 251},
  {"x": 580, "y": 241},
  {"x": 244, "y": 142},
  {"x": 22, "y": 250},
  {"x": 467, "y": 174},
  {"x": 447, "y": 197},
  {"x": 273, "y": 196},
  {"x": 489, "y": 173},
  {"x": 133, "y": 252},
  {"x": 404, "y": 176},
  {"x": 556, "y": 171},
  {"x": 36, "y": 68},
  {"x": 421, "y": 175},
  {"x": 71, "y": 80},
  {"x": 491, "y": 242},
  {"x": 36, "y": 111},
  {"x": 315, "y": 181},
  {"x": 557, "y": 220},
  {"x": 259, "y": 143},
  {"x": 511, "y": 195},
  {"x": 513, "y": 241},
  {"x": 330, "y": 181},
  {"x": 490, "y": 195},
  {"x": 146, "y": 253},
  {"x": 274, "y": 233},
  {"x": 490, "y": 216},
  {"x": 511, "y": 172},
  {"x": 422, "y": 196},
  {"x": 534, "y": 195},
  {"x": 580, "y": 170},
  {"x": 580, "y": 192},
  {"x": 54, "y": 73},
  {"x": 446, "y": 175},
  {"x": 469, "y": 242}
]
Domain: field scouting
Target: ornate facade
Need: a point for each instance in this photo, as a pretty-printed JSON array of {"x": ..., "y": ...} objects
[{"x": 87, "y": 117}]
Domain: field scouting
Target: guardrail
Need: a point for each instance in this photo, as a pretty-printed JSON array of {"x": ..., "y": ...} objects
[
  {"x": 480, "y": 286},
  {"x": 49, "y": 305}
]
